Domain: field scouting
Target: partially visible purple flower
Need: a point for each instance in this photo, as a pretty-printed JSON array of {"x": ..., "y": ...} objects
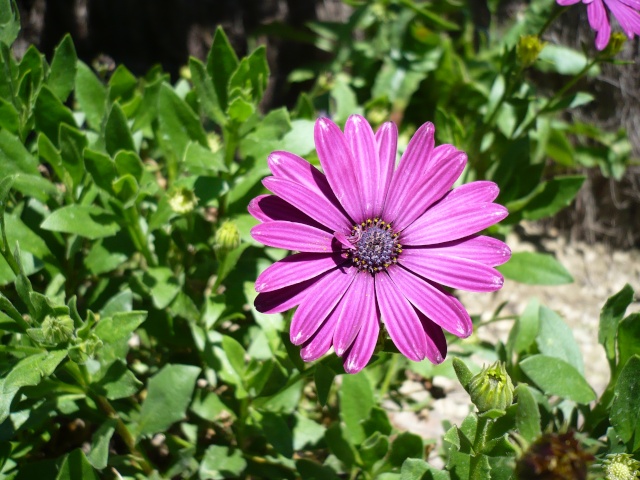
[
  {"x": 627, "y": 12},
  {"x": 376, "y": 242}
]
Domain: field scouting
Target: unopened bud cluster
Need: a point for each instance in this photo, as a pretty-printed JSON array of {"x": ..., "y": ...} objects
[
  {"x": 182, "y": 200},
  {"x": 621, "y": 466},
  {"x": 227, "y": 237},
  {"x": 528, "y": 49},
  {"x": 491, "y": 389}
]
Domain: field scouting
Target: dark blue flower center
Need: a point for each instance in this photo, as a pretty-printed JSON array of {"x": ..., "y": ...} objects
[{"x": 376, "y": 246}]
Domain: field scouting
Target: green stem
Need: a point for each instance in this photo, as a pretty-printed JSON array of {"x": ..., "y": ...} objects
[
  {"x": 557, "y": 96},
  {"x": 230, "y": 147},
  {"x": 391, "y": 371},
  {"x": 132, "y": 218},
  {"x": 4, "y": 247},
  {"x": 556, "y": 13}
]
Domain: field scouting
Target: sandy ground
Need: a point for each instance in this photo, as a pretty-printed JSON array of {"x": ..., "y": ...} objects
[{"x": 598, "y": 271}]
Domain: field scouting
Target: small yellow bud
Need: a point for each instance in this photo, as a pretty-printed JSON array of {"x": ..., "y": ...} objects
[
  {"x": 215, "y": 144},
  {"x": 182, "y": 200},
  {"x": 57, "y": 330},
  {"x": 528, "y": 49},
  {"x": 491, "y": 388},
  {"x": 227, "y": 236},
  {"x": 615, "y": 45}
]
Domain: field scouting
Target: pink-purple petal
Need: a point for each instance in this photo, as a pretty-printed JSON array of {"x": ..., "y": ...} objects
[
  {"x": 362, "y": 348},
  {"x": 362, "y": 145},
  {"x": 339, "y": 166},
  {"x": 481, "y": 191},
  {"x": 400, "y": 319},
  {"x": 631, "y": 3},
  {"x": 311, "y": 202},
  {"x": 295, "y": 269},
  {"x": 445, "y": 170},
  {"x": 627, "y": 16},
  {"x": 442, "y": 224},
  {"x": 320, "y": 343},
  {"x": 411, "y": 171},
  {"x": 432, "y": 302},
  {"x": 357, "y": 306},
  {"x": 451, "y": 271},
  {"x": 387, "y": 143},
  {"x": 291, "y": 167},
  {"x": 479, "y": 248},
  {"x": 269, "y": 208},
  {"x": 436, "y": 341},
  {"x": 564, "y": 3},
  {"x": 293, "y": 236},
  {"x": 283, "y": 299},
  {"x": 318, "y": 304}
]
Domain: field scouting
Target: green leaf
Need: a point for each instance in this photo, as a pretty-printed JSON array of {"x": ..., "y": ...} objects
[
  {"x": 251, "y": 76},
  {"x": 207, "y": 95},
  {"x": 5, "y": 187},
  {"x": 27, "y": 372},
  {"x": 278, "y": 433},
  {"x": 356, "y": 402},
  {"x": 91, "y": 95},
  {"x": 557, "y": 377},
  {"x": 99, "y": 454},
  {"x": 9, "y": 22},
  {"x": 126, "y": 190},
  {"x": 162, "y": 285},
  {"x": 563, "y": 60},
  {"x": 201, "y": 161},
  {"x": 555, "y": 339},
  {"x": 117, "y": 134},
  {"x": 373, "y": 449},
  {"x": 122, "y": 84},
  {"x": 345, "y": 102},
  {"x": 14, "y": 157},
  {"x": 610, "y": 315},
  {"x": 307, "y": 433},
  {"x": 625, "y": 410},
  {"x": 235, "y": 354},
  {"x": 417, "y": 469},
  {"x": 178, "y": 122},
  {"x": 405, "y": 445},
  {"x": 323, "y": 377},
  {"x": 102, "y": 169},
  {"x": 338, "y": 443},
  {"x": 50, "y": 113},
  {"x": 62, "y": 75},
  {"x": 525, "y": 330},
  {"x": 535, "y": 269},
  {"x": 221, "y": 63},
  {"x": 168, "y": 396},
  {"x": 9, "y": 117},
  {"x": 76, "y": 467},
  {"x": 128, "y": 162},
  {"x": 628, "y": 338},
  {"x": 117, "y": 382},
  {"x": 119, "y": 327},
  {"x": 72, "y": 145},
  {"x": 462, "y": 372},
  {"x": 220, "y": 462},
  {"x": 87, "y": 221},
  {"x": 555, "y": 195},
  {"x": 240, "y": 110},
  {"x": 527, "y": 414},
  {"x": 560, "y": 149}
]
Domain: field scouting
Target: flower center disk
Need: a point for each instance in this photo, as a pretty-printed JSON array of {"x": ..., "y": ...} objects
[{"x": 376, "y": 246}]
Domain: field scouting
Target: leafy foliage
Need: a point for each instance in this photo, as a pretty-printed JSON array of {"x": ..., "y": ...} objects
[{"x": 130, "y": 346}]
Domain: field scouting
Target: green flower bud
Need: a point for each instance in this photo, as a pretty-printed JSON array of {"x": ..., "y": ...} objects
[
  {"x": 214, "y": 141},
  {"x": 83, "y": 350},
  {"x": 554, "y": 456},
  {"x": 528, "y": 49},
  {"x": 621, "y": 466},
  {"x": 491, "y": 389},
  {"x": 57, "y": 330},
  {"x": 182, "y": 200},
  {"x": 227, "y": 237},
  {"x": 615, "y": 45}
]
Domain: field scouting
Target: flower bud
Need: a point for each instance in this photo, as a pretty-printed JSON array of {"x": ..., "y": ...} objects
[
  {"x": 491, "y": 389},
  {"x": 227, "y": 236},
  {"x": 621, "y": 466},
  {"x": 182, "y": 200},
  {"x": 615, "y": 45},
  {"x": 57, "y": 330},
  {"x": 528, "y": 49}
]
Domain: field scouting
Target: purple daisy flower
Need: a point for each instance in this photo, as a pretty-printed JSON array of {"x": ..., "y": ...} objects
[
  {"x": 376, "y": 243},
  {"x": 627, "y": 12}
]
